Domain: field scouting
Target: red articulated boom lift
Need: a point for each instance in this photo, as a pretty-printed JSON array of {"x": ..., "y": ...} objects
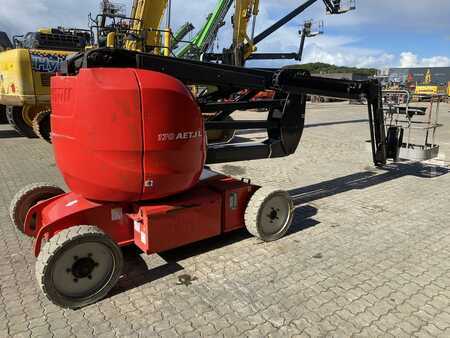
[{"x": 129, "y": 140}]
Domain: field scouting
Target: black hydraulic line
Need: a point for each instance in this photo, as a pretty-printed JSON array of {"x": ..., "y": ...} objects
[
  {"x": 239, "y": 125},
  {"x": 277, "y": 25},
  {"x": 273, "y": 56},
  {"x": 226, "y": 106},
  {"x": 236, "y": 152}
]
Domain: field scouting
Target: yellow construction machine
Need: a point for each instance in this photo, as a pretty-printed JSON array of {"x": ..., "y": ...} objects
[
  {"x": 114, "y": 29},
  {"x": 428, "y": 88},
  {"x": 26, "y": 64}
]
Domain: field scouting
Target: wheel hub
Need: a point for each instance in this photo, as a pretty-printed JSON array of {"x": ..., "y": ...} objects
[
  {"x": 273, "y": 214},
  {"x": 276, "y": 215},
  {"x": 82, "y": 270},
  {"x": 83, "y": 267}
]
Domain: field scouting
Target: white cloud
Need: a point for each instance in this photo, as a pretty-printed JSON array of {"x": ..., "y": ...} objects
[
  {"x": 398, "y": 15},
  {"x": 349, "y": 56},
  {"x": 341, "y": 47},
  {"x": 409, "y": 59}
]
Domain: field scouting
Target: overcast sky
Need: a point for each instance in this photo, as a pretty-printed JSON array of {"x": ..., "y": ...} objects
[{"x": 380, "y": 33}]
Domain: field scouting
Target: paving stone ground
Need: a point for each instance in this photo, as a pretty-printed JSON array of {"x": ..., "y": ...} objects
[{"x": 368, "y": 254}]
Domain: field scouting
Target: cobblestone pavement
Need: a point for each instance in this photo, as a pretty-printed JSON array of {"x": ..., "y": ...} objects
[{"x": 368, "y": 255}]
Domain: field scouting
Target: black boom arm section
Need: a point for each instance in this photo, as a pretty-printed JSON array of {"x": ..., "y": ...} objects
[{"x": 236, "y": 88}]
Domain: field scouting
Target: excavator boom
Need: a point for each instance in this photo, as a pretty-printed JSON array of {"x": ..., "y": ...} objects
[
  {"x": 147, "y": 15},
  {"x": 244, "y": 11}
]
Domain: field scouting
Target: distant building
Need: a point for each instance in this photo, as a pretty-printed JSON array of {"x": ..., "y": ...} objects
[{"x": 439, "y": 75}]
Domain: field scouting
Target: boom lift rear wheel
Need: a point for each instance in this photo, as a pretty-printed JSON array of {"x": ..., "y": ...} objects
[
  {"x": 29, "y": 196},
  {"x": 78, "y": 266},
  {"x": 269, "y": 214}
]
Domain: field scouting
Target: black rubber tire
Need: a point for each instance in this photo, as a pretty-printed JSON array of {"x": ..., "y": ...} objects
[
  {"x": 57, "y": 246},
  {"x": 41, "y": 125},
  {"x": 15, "y": 119},
  {"x": 253, "y": 213},
  {"x": 3, "y": 119},
  {"x": 28, "y": 197}
]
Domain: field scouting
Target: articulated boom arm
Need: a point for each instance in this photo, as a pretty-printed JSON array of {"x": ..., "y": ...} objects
[
  {"x": 333, "y": 7},
  {"x": 243, "y": 46},
  {"x": 147, "y": 15},
  {"x": 237, "y": 86}
]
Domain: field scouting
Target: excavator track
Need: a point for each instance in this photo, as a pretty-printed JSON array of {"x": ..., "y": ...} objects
[
  {"x": 41, "y": 125},
  {"x": 18, "y": 118},
  {"x": 3, "y": 119}
]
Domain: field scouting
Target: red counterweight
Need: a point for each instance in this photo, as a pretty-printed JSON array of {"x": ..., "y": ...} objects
[{"x": 126, "y": 134}]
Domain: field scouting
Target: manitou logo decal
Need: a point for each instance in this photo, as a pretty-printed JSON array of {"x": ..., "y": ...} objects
[{"x": 186, "y": 135}]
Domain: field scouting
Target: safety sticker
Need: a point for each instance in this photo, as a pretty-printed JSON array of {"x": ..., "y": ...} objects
[
  {"x": 137, "y": 226},
  {"x": 116, "y": 214}
]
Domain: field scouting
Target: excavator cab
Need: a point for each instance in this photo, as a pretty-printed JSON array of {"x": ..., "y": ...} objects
[
  {"x": 5, "y": 42},
  {"x": 112, "y": 27},
  {"x": 26, "y": 65},
  {"x": 60, "y": 39}
]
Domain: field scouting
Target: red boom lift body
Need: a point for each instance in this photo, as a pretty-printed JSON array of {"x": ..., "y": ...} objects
[
  {"x": 130, "y": 142},
  {"x": 144, "y": 141}
]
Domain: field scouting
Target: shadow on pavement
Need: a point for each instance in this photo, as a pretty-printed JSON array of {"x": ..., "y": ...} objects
[
  {"x": 137, "y": 272},
  {"x": 9, "y": 134},
  {"x": 335, "y": 123},
  {"x": 365, "y": 179}
]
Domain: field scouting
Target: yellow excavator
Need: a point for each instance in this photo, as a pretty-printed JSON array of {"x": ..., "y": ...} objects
[
  {"x": 428, "y": 88},
  {"x": 112, "y": 28},
  {"x": 26, "y": 64},
  {"x": 141, "y": 31}
]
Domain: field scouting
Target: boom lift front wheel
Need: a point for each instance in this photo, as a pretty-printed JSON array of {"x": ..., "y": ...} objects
[
  {"x": 78, "y": 266},
  {"x": 269, "y": 214}
]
